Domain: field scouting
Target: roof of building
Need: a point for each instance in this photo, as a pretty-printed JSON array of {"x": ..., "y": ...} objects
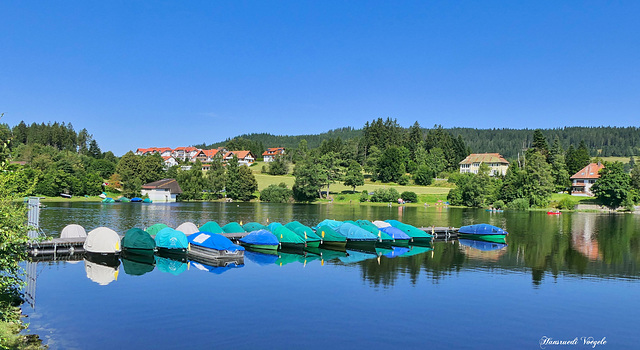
[
  {"x": 484, "y": 158},
  {"x": 170, "y": 184},
  {"x": 239, "y": 154},
  {"x": 210, "y": 152},
  {"x": 589, "y": 172},
  {"x": 273, "y": 151}
]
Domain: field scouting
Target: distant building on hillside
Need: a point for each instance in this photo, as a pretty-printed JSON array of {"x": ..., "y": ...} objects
[
  {"x": 497, "y": 164},
  {"x": 582, "y": 181},
  {"x": 244, "y": 157},
  {"x": 165, "y": 190},
  {"x": 270, "y": 154}
]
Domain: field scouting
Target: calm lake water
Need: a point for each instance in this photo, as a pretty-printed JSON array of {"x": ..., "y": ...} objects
[{"x": 567, "y": 276}]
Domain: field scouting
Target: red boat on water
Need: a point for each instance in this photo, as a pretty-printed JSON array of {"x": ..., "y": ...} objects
[{"x": 557, "y": 212}]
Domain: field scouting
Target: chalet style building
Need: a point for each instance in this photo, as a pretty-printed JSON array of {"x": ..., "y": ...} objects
[
  {"x": 270, "y": 154},
  {"x": 582, "y": 181},
  {"x": 165, "y": 190},
  {"x": 497, "y": 164},
  {"x": 244, "y": 157}
]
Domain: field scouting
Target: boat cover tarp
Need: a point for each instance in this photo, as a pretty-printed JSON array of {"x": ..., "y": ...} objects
[
  {"x": 136, "y": 199},
  {"x": 355, "y": 233},
  {"x": 233, "y": 227},
  {"x": 260, "y": 237},
  {"x": 482, "y": 245},
  {"x": 334, "y": 224},
  {"x": 285, "y": 235},
  {"x": 374, "y": 230},
  {"x": 482, "y": 229},
  {"x": 303, "y": 231},
  {"x": 135, "y": 268},
  {"x": 412, "y": 231},
  {"x": 253, "y": 226},
  {"x": 330, "y": 235},
  {"x": 381, "y": 224},
  {"x": 354, "y": 256},
  {"x": 261, "y": 258},
  {"x": 124, "y": 199},
  {"x": 171, "y": 239},
  {"x": 171, "y": 266},
  {"x": 73, "y": 231},
  {"x": 274, "y": 225},
  {"x": 213, "y": 241},
  {"x": 365, "y": 223},
  {"x": 188, "y": 228},
  {"x": 100, "y": 274},
  {"x": 154, "y": 229},
  {"x": 102, "y": 240},
  {"x": 211, "y": 227},
  {"x": 147, "y": 200},
  {"x": 136, "y": 238},
  {"x": 108, "y": 200},
  {"x": 395, "y": 232}
]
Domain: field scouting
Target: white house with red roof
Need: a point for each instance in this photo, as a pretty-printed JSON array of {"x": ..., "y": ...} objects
[
  {"x": 169, "y": 162},
  {"x": 244, "y": 157},
  {"x": 582, "y": 181},
  {"x": 270, "y": 154}
]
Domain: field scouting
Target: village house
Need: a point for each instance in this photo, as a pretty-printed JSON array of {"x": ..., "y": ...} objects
[
  {"x": 169, "y": 162},
  {"x": 244, "y": 157},
  {"x": 497, "y": 164},
  {"x": 165, "y": 190},
  {"x": 582, "y": 181},
  {"x": 270, "y": 154}
]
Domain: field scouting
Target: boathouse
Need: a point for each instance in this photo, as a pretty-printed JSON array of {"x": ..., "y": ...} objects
[{"x": 165, "y": 190}]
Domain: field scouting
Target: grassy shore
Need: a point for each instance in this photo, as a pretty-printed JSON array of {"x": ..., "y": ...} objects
[{"x": 11, "y": 338}]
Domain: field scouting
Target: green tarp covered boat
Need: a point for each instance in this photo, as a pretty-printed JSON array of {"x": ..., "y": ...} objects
[
  {"x": 288, "y": 238},
  {"x": 154, "y": 229},
  {"x": 211, "y": 227},
  {"x": 305, "y": 232},
  {"x": 137, "y": 240},
  {"x": 416, "y": 234},
  {"x": 331, "y": 238},
  {"x": 233, "y": 227}
]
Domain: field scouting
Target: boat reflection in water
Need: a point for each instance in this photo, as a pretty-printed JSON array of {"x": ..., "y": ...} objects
[
  {"x": 482, "y": 250},
  {"x": 174, "y": 267},
  {"x": 218, "y": 266},
  {"x": 136, "y": 264},
  {"x": 101, "y": 270}
]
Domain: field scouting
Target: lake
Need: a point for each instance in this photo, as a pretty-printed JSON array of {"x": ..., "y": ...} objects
[{"x": 563, "y": 277}]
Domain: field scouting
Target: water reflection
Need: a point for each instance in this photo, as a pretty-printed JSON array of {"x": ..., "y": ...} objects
[
  {"x": 583, "y": 244},
  {"x": 102, "y": 274}
]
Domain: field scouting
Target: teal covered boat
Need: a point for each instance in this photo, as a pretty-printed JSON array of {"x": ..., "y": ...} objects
[
  {"x": 288, "y": 238},
  {"x": 330, "y": 238},
  {"x": 233, "y": 227},
  {"x": 139, "y": 241},
  {"x": 154, "y": 229},
  {"x": 253, "y": 226},
  {"x": 415, "y": 233}
]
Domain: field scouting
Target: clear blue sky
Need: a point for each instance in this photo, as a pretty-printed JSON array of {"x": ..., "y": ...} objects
[{"x": 152, "y": 73}]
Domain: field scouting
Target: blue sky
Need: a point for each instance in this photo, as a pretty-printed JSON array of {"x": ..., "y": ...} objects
[{"x": 160, "y": 73}]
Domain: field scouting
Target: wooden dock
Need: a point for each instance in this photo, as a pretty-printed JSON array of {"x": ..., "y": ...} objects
[
  {"x": 56, "y": 246},
  {"x": 441, "y": 233}
]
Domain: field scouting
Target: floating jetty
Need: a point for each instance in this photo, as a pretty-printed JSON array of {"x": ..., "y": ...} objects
[
  {"x": 56, "y": 246},
  {"x": 441, "y": 233}
]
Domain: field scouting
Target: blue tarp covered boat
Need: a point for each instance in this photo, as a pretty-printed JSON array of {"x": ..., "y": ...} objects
[
  {"x": 136, "y": 199},
  {"x": 261, "y": 239},
  {"x": 482, "y": 229},
  {"x": 212, "y": 245}
]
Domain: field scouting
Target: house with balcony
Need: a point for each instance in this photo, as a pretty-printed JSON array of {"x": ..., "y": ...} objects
[
  {"x": 497, "y": 164},
  {"x": 270, "y": 154},
  {"x": 244, "y": 157},
  {"x": 582, "y": 181}
]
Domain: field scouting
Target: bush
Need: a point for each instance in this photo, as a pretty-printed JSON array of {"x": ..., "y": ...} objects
[
  {"x": 566, "y": 203},
  {"x": 364, "y": 197},
  {"x": 519, "y": 204},
  {"x": 498, "y": 204},
  {"x": 403, "y": 180},
  {"x": 385, "y": 195},
  {"x": 409, "y": 196},
  {"x": 276, "y": 194}
]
